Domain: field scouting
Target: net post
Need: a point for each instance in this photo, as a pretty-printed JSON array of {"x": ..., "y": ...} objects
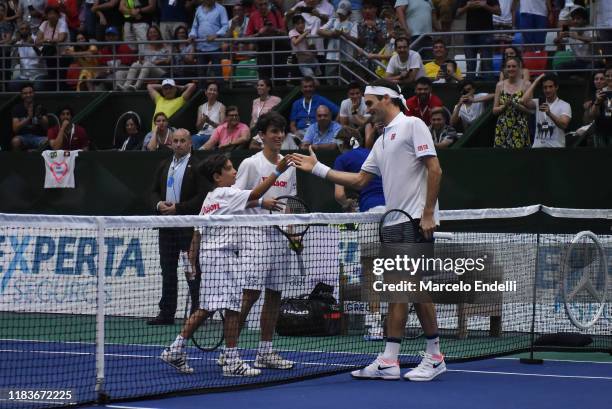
[
  {"x": 531, "y": 360},
  {"x": 101, "y": 396}
]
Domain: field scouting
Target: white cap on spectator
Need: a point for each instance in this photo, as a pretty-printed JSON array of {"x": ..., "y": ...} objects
[
  {"x": 168, "y": 81},
  {"x": 344, "y": 8}
]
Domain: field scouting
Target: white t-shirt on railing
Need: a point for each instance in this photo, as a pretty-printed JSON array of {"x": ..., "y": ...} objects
[{"x": 547, "y": 133}]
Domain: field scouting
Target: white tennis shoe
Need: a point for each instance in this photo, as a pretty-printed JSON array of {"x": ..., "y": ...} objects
[
  {"x": 238, "y": 367},
  {"x": 379, "y": 369},
  {"x": 177, "y": 360},
  {"x": 272, "y": 360},
  {"x": 430, "y": 367}
]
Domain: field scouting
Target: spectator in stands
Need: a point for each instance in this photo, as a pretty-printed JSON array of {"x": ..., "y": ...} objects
[
  {"x": 153, "y": 62},
  {"x": 417, "y": 18},
  {"x": 406, "y": 65},
  {"x": 304, "y": 52},
  {"x": 237, "y": 28},
  {"x": 12, "y": 11},
  {"x": 131, "y": 138},
  {"x": 316, "y": 13},
  {"x": 602, "y": 16},
  {"x": 231, "y": 134},
  {"x": 443, "y": 134},
  {"x": 210, "y": 115},
  {"x": 266, "y": 22},
  {"x": 178, "y": 189},
  {"x": 372, "y": 131},
  {"x": 69, "y": 12},
  {"x": 553, "y": 115},
  {"x": 106, "y": 14},
  {"x": 84, "y": 57},
  {"x": 578, "y": 41},
  {"x": 172, "y": 15},
  {"x": 599, "y": 83},
  {"x": 444, "y": 10},
  {"x": 338, "y": 27},
  {"x": 321, "y": 135},
  {"x": 210, "y": 22},
  {"x": 601, "y": 111},
  {"x": 353, "y": 111},
  {"x": 116, "y": 58},
  {"x": 33, "y": 13},
  {"x": 6, "y": 37},
  {"x": 479, "y": 17},
  {"x": 183, "y": 60},
  {"x": 303, "y": 109},
  {"x": 371, "y": 33},
  {"x": 265, "y": 102},
  {"x": 29, "y": 121},
  {"x": 440, "y": 54},
  {"x": 512, "y": 129},
  {"x": 160, "y": 137},
  {"x": 67, "y": 135},
  {"x": 470, "y": 105},
  {"x": 512, "y": 51},
  {"x": 505, "y": 20},
  {"x": 535, "y": 14},
  {"x": 423, "y": 102},
  {"x": 166, "y": 96},
  {"x": 52, "y": 32},
  {"x": 138, "y": 16},
  {"x": 32, "y": 68}
]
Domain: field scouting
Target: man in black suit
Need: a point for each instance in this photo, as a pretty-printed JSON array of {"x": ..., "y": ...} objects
[{"x": 178, "y": 190}]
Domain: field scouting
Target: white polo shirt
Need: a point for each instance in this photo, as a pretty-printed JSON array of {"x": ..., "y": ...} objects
[
  {"x": 414, "y": 62},
  {"x": 256, "y": 169},
  {"x": 547, "y": 133},
  {"x": 223, "y": 200},
  {"x": 396, "y": 157}
]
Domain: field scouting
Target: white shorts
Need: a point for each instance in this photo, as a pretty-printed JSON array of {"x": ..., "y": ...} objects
[
  {"x": 220, "y": 287},
  {"x": 264, "y": 261}
]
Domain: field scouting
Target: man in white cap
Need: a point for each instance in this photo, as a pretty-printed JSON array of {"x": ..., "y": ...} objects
[
  {"x": 405, "y": 157},
  {"x": 165, "y": 96},
  {"x": 339, "y": 26}
]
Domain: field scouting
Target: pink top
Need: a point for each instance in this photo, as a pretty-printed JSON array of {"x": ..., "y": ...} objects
[
  {"x": 260, "y": 108},
  {"x": 221, "y": 136}
]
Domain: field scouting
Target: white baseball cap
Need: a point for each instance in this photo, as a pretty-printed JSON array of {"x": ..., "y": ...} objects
[{"x": 169, "y": 82}]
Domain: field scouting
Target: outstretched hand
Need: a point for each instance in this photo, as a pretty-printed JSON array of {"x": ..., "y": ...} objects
[
  {"x": 303, "y": 162},
  {"x": 272, "y": 204}
]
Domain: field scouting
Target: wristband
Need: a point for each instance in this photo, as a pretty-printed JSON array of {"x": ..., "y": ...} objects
[
  {"x": 320, "y": 170},
  {"x": 260, "y": 201},
  {"x": 277, "y": 172}
]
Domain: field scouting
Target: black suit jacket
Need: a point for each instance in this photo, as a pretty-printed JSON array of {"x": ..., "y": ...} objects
[{"x": 193, "y": 189}]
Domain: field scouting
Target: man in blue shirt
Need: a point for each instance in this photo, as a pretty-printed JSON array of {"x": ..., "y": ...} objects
[
  {"x": 210, "y": 22},
  {"x": 304, "y": 109},
  {"x": 322, "y": 134},
  {"x": 172, "y": 15}
]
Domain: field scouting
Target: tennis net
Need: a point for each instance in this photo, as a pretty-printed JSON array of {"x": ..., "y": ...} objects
[{"x": 76, "y": 294}]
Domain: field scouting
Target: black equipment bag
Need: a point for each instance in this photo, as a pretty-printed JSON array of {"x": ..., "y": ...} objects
[{"x": 314, "y": 314}]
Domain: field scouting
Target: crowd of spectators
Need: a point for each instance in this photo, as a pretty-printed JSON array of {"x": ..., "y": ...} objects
[{"x": 395, "y": 39}]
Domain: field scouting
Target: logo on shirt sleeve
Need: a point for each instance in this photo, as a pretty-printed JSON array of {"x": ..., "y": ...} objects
[
  {"x": 209, "y": 209},
  {"x": 392, "y": 137},
  {"x": 422, "y": 148}
]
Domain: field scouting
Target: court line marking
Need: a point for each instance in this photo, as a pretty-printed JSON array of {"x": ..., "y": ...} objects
[
  {"x": 127, "y": 407},
  {"x": 562, "y": 360},
  {"x": 46, "y": 402},
  {"x": 531, "y": 374}
]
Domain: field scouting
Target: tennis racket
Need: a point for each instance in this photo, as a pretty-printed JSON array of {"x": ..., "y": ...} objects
[
  {"x": 295, "y": 232},
  {"x": 584, "y": 280}
]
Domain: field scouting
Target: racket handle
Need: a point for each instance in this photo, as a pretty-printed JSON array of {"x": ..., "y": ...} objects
[{"x": 439, "y": 235}]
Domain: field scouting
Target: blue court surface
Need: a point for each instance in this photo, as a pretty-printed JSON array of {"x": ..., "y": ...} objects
[{"x": 581, "y": 381}]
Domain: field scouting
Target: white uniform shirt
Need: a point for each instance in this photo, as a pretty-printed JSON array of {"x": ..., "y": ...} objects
[
  {"x": 223, "y": 200},
  {"x": 256, "y": 169},
  {"x": 396, "y": 157},
  {"x": 414, "y": 61},
  {"x": 547, "y": 133},
  {"x": 347, "y": 106}
]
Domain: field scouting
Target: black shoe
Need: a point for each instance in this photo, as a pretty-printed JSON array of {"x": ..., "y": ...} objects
[{"x": 161, "y": 320}]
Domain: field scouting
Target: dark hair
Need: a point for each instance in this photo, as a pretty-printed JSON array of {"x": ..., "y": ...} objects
[
  {"x": 51, "y": 8},
  {"x": 424, "y": 81},
  {"x": 298, "y": 18},
  {"x": 452, "y": 62},
  {"x": 388, "y": 84},
  {"x": 370, "y": 3},
  {"x": 134, "y": 118},
  {"x": 30, "y": 85},
  {"x": 213, "y": 164},
  {"x": 354, "y": 85},
  {"x": 160, "y": 114},
  {"x": 463, "y": 83},
  {"x": 266, "y": 81},
  {"x": 580, "y": 13},
  {"x": 397, "y": 40},
  {"x": 551, "y": 77},
  {"x": 269, "y": 119},
  {"x": 438, "y": 110},
  {"x": 517, "y": 59},
  {"x": 439, "y": 41},
  {"x": 346, "y": 133},
  {"x": 66, "y": 108},
  {"x": 231, "y": 108},
  {"x": 176, "y": 30},
  {"x": 518, "y": 53},
  {"x": 308, "y": 78}
]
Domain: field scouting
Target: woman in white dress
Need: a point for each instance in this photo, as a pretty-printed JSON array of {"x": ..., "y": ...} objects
[{"x": 210, "y": 115}]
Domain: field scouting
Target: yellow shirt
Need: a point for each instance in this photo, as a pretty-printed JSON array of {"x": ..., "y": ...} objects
[
  {"x": 168, "y": 106},
  {"x": 432, "y": 68}
]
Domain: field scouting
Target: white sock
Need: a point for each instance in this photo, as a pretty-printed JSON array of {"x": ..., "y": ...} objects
[
  {"x": 178, "y": 344},
  {"x": 265, "y": 347},
  {"x": 433, "y": 346},
  {"x": 231, "y": 354},
  {"x": 391, "y": 351}
]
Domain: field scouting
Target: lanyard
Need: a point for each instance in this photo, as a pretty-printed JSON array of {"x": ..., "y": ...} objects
[
  {"x": 263, "y": 106},
  {"x": 309, "y": 106},
  {"x": 70, "y": 138}
]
